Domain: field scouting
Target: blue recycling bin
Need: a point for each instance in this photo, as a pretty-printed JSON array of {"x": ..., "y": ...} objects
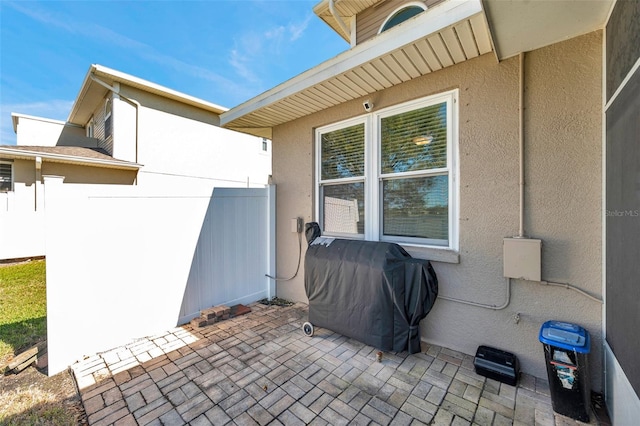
[{"x": 566, "y": 349}]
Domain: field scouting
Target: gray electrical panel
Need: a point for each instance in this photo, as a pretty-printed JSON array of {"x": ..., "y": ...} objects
[{"x": 522, "y": 258}]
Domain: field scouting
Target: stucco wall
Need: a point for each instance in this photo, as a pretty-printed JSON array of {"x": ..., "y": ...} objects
[
  {"x": 180, "y": 141},
  {"x": 74, "y": 173},
  {"x": 563, "y": 195}
]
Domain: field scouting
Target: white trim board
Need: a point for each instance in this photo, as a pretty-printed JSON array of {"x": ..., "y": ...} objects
[{"x": 622, "y": 85}]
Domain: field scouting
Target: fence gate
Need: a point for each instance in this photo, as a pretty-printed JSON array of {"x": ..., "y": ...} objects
[{"x": 235, "y": 249}]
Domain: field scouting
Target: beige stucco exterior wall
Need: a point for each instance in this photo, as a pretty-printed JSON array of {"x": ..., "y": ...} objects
[
  {"x": 74, "y": 173},
  {"x": 563, "y": 196}
]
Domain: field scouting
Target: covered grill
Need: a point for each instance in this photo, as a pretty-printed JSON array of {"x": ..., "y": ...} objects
[{"x": 374, "y": 292}]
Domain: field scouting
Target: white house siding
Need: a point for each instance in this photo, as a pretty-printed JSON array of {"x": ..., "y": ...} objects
[{"x": 563, "y": 195}]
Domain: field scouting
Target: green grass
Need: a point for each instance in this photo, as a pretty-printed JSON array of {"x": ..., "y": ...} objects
[{"x": 23, "y": 307}]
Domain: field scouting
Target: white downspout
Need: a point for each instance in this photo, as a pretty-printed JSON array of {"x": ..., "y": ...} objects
[
  {"x": 521, "y": 182},
  {"x": 38, "y": 184},
  {"x": 521, "y": 143},
  {"x": 338, "y": 18},
  {"x": 129, "y": 100}
]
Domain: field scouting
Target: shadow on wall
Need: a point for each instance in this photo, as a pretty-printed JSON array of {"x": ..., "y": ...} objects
[{"x": 231, "y": 257}]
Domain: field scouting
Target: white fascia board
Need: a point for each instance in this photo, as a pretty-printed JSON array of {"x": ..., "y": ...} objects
[
  {"x": 446, "y": 14},
  {"x": 155, "y": 88},
  {"x": 81, "y": 94},
  {"x": 118, "y": 76},
  {"x": 61, "y": 158}
]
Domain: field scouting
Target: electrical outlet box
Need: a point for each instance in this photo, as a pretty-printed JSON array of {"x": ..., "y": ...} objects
[
  {"x": 521, "y": 258},
  {"x": 297, "y": 225}
]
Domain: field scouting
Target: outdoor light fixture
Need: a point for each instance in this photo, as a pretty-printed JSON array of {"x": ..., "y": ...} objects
[{"x": 423, "y": 140}]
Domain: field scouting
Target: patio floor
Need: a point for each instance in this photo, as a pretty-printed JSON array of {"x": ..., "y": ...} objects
[{"x": 261, "y": 369}]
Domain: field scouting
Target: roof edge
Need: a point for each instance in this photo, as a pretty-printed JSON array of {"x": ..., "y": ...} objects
[
  {"x": 15, "y": 118},
  {"x": 448, "y": 13},
  {"x": 98, "y": 70},
  {"x": 72, "y": 159}
]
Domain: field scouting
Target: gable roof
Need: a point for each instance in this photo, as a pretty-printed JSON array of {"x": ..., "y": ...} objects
[
  {"x": 96, "y": 157},
  {"x": 92, "y": 92}
]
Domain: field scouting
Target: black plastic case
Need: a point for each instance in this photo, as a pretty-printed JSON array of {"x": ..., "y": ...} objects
[{"x": 497, "y": 364}]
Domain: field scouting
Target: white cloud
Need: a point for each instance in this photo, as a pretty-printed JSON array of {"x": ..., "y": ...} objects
[
  {"x": 254, "y": 50},
  {"x": 57, "y": 109},
  {"x": 108, "y": 36},
  {"x": 275, "y": 33},
  {"x": 296, "y": 30},
  {"x": 242, "y": 65}
]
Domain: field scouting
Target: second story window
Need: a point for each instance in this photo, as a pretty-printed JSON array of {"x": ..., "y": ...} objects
[
  {"x": 402, "y": 14},
  {"x": 90, "y": 128},
  {"x": 107, "y": 118}
]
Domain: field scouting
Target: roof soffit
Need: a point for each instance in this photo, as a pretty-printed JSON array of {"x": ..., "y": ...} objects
[
  {"x": 523, "y": 26},
  {"x": 448, "y": 34},
  {"x": 505, "y": 27}
]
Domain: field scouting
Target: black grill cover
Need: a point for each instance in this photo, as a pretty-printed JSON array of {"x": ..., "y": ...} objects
[{"x": 374, "y": 292}]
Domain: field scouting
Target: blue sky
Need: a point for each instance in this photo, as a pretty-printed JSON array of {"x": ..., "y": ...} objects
[{"x": 225, "y": 52}]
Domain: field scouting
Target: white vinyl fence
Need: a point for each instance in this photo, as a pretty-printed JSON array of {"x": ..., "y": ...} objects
[
  {"x": 21, "y": 234},
  {"x": 125, "y": 263}
]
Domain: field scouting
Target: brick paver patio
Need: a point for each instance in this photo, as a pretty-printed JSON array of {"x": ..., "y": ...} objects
[{"x": 261, "y": 369}]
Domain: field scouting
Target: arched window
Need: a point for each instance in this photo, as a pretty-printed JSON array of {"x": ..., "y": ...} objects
[
  {"x": 108, "y": 128},
  {"x": 402, "y": 14}
]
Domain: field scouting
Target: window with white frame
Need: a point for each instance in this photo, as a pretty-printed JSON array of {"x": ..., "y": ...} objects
[
  {"x": 6, "y": 176},
  {"x": 90, "y": 128},
  {"x": 401, "y": 14},
  {"x": 108, "y": 122},
  {"x": 390, "y": 175}
]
